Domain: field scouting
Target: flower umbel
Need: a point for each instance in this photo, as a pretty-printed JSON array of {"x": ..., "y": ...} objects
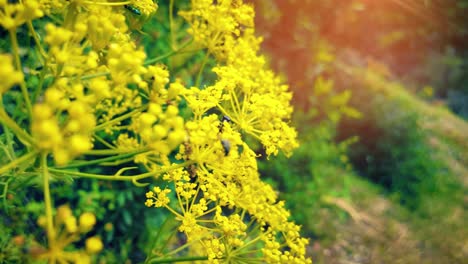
[{"x": 93, "y": 100}]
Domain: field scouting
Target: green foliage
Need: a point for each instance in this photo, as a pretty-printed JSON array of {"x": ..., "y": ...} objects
[{"x": 393, "y": 148}]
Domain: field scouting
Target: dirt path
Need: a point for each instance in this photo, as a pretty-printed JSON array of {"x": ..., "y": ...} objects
[{"x": 375, "y": 234}]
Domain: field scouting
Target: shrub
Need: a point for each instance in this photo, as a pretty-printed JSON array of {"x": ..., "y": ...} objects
[{"x": 393, "y": 149}]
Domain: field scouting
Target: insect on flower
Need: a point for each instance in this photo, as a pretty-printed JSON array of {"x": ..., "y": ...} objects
[
  {"x": 221, "y": 125},
  {"x": 192, "y": 170},
  {"x": 226, "y": 118},
  {"x": 226, "y": 146},
  {"x": 133, "y": 9}
]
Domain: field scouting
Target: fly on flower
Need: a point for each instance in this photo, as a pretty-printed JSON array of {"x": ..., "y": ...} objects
[
  {"x": 221, "y": 125},
  {"x": 226, "y": 146},
  {"x": 139, "y": 12},
  {"x": 226, "y": 118},
  {"x": 133, "y": 9}
]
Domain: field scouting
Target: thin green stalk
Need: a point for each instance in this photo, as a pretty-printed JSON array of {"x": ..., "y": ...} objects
[
  {"x": 47, "y": 201},
  {"x": 93, "y": 175},
  {"x": 14, "y": 163},
  {"x": 94, "y": 75},
  {"x": 105, "y": 143},
  {"x": 24, "y": 89},
  {"x": 24, "y": 137},
  {"x": 171, "y": 24},
  {"x": 118, "y": 119},
  {"x": 70, "y": 16},
  {"x": 172, "y": 52},
  {"x": 42, "y": 77},
  {"x": 36, "y": 40},
  {"x": 108, "y": 152},
  {"x": 118, "y": 162},
  {"x": 205, "y": 60},
  {"x": 5, "y": 194},
  {"x": 117, "y": 176},
  {"x": 98, "y": 161},
  {"x": 9, "y": 149},
  {"x": 181, "y": 259}
]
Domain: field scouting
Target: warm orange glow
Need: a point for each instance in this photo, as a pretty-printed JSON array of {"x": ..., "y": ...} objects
[{"x": 399, "y": 33}]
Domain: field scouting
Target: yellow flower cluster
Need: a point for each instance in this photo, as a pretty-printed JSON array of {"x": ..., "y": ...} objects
[
  {"x": 98, "y": 97},
  {"x": 146, "y": 7},
  {"x": 247, "y": 91},
  {"x": 223, "y": 205},
  {"x": 70, "y": 231},
  {"x": 69, "y": 140},
  {"x": 85, "y": 102},
  {"x": 8, "y": 74},
  {"x": 214, "y": 25},
  {"x": 160, "y": 127},
  {"x": 13, "y": 15}
]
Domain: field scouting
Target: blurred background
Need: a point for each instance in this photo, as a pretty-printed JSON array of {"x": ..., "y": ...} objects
[{"x": 381, "y": 103}]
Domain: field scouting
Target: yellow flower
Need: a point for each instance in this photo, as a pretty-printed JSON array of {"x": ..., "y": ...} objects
[
  {"x": 93, "y": 245},
  {"x": 70, "y": 224},
  {"x": 87, "y": 221},
  {"x": 146, "y": 7},
  {"x": 157, "y": 197},
  {"x": 13, "y": 15},
  {"x": 8, "y": 74},
  {"x": 63, "y": 213}
]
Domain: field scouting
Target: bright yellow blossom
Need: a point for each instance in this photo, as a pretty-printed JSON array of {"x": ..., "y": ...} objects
[
  {"x": 100, "y": 102},
  {"x": 8, "y": 74},
  {"x": 93, "y": 245},
  {"x": 87, "y": 221}
]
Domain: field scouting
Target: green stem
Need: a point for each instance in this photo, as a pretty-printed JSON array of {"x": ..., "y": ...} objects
[
  {"x": 118, "y": 162},
  {"x": 70, "y": 16},
  {"x": 5, "y": 194},
  {"x": 181, "y": 259},
  {"x": 94, "y": 75},
  {"x": 9, "y": 149},
  {"x": 171, "y": 24},
  {"x": 197, "y": 82},
  {"x": 14, "y": 163},
  {"x": 105, "y": 143},
  {"x": 93, "y": 175},
  {"x": 118, "y": 119},
  {"x": 98, "y": 161},
  {"x": 42, "y": 75},
  {"x": 24, "y": 137},
  {"x": 48, "y": 202},
  {"x": 107, "y": 152},
  {"x": 118, "y": 177},
  {"x": 172, "y": 52},
  {"x": 24, "y": 89},
  {"x": 36, "y": 40}
]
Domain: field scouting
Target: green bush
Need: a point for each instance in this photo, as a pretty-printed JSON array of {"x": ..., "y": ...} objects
[{"x": 393, "y": 149}]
